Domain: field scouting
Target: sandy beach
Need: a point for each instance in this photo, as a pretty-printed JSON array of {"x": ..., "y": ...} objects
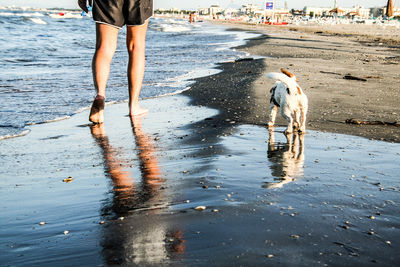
[
  {"x": 201, "y": 181},
  {"x": 321, "y": 56}
]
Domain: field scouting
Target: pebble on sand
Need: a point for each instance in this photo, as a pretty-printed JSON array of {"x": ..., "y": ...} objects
[
  {"x": 200, "y": 208},
  {"x": 68, "y": 180}
]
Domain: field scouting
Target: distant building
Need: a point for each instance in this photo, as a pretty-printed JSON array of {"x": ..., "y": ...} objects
[
  {"x": 204, "y": 11},
  {"x": 215, "y": 10},
  {"x": 396, "y": 11},
  {"x": 249, "y": 9},
  {"x": 278, "y": 13},
  {"x": 297, "y": 12},
  {"x": 316, "y": 11},
  {"x": 174, "y": 10},
  {"x": 230, "y": 13},
  {"x": 356, "y": 11}
]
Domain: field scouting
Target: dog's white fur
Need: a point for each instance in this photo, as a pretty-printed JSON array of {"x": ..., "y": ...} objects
[{"x": 288, "y": 95}]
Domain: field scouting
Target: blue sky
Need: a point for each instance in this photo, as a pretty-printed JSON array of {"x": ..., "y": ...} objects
[{"x": 194, "y": 4}]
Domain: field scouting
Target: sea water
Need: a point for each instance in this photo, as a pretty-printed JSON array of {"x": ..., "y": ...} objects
[{"x": 45, "y": 72}]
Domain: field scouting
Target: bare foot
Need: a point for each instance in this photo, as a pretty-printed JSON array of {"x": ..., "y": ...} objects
[
  {"x": 97, "y": 110},
  {"x": 137, "y": 111}
]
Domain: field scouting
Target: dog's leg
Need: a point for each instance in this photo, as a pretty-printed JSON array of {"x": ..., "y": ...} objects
[
  {"x": 301, "y": 149},
  {"x": 297, "y": 123},
  {"x": 289, "y": 139},
  {"x": 303, "y": 119},
  {"x": 288, "y": 116},
  {"x": 271, "y": 141},
  {"x": 272, "y": 116},
  {"x": 295, "y": 144}
]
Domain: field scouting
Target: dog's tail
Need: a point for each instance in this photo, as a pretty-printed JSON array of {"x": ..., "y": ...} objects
[{"x": 290, "y": 82}]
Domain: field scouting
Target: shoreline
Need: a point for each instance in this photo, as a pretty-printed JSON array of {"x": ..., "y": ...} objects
[
  {"x": 177, "y": 84},
  {"x": 320, "y": 62},
  {"x": 199, "y": 180},
  {"x": 134, "y": 190}
]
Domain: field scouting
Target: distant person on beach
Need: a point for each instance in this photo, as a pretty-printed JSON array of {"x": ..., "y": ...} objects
[
  {"x": 110, "y": 16},
  {"x": 192, "y": 17}
]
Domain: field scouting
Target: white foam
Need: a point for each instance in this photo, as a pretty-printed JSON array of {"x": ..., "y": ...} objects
[
  {"x": 174, "y": 28},
  {"x": 38, "y": 21},
  {"x": 171, "y": 25},
  {"x": 11, "y": 14},
  {"x": 14, "y": 135},
  {"x": 169, "y": 94},
  {"x": 50, "y": 121}
]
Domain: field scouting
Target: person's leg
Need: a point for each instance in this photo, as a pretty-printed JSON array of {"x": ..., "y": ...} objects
[
  {"x": 136, "y": 45},
  {"x": 106, "y": 44}
]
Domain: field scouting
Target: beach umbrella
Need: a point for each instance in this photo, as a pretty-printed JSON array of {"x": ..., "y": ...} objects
[{"x": 389, "y": 9}]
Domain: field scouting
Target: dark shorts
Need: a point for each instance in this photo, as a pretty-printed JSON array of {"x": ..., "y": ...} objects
[{"x": 118, "y": 13}]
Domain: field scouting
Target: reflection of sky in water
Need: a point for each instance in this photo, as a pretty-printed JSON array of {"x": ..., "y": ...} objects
[
  {"x": 347, "y": 163},
  {"x": 337, "y": 178}
]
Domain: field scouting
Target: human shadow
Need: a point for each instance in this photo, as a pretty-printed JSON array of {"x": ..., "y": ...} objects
[
  {"x": 133, "y": 230},
  {"x": 287, "y": 159}
]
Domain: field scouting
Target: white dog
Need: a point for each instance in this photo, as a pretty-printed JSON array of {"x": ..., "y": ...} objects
[{"x": 288, "y": 95}]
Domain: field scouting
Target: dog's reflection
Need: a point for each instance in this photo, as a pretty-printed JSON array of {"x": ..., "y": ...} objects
[
  {"x": 130, "y": 237},
  {"x": 287, "y": 159}
]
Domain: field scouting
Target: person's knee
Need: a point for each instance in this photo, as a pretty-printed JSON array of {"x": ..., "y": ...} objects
[
  {"x": 135, "y": 47},
  {"x": 105, "y": 50}
]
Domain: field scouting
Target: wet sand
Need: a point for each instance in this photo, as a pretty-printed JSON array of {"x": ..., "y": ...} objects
[
  {"x": 311, "y": 200},
  {"x": 319, "y": 199},
  {"x": 321, "y": 56}
]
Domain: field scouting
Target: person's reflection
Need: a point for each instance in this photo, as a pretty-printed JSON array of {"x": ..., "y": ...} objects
[
  {"x": 287, "y": 159},
  {"x": 130, "y": 236}
]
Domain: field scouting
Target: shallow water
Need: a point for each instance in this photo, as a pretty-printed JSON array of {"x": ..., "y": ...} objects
[
  {"x": 288, "y": 200},
  {"x": 46, "y": 71}
]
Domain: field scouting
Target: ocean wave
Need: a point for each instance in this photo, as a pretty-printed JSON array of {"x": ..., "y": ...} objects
[
  {"x": 38, "y": 21},
  {"x": 171, "y": 27},
  {"x": 52, "y": 120},
  {"x": 171, "y": 94},
  {"x": 176, "y": 56},
  {"x": 8, "y": 136},
  {"x": 11, "y": 14}
]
